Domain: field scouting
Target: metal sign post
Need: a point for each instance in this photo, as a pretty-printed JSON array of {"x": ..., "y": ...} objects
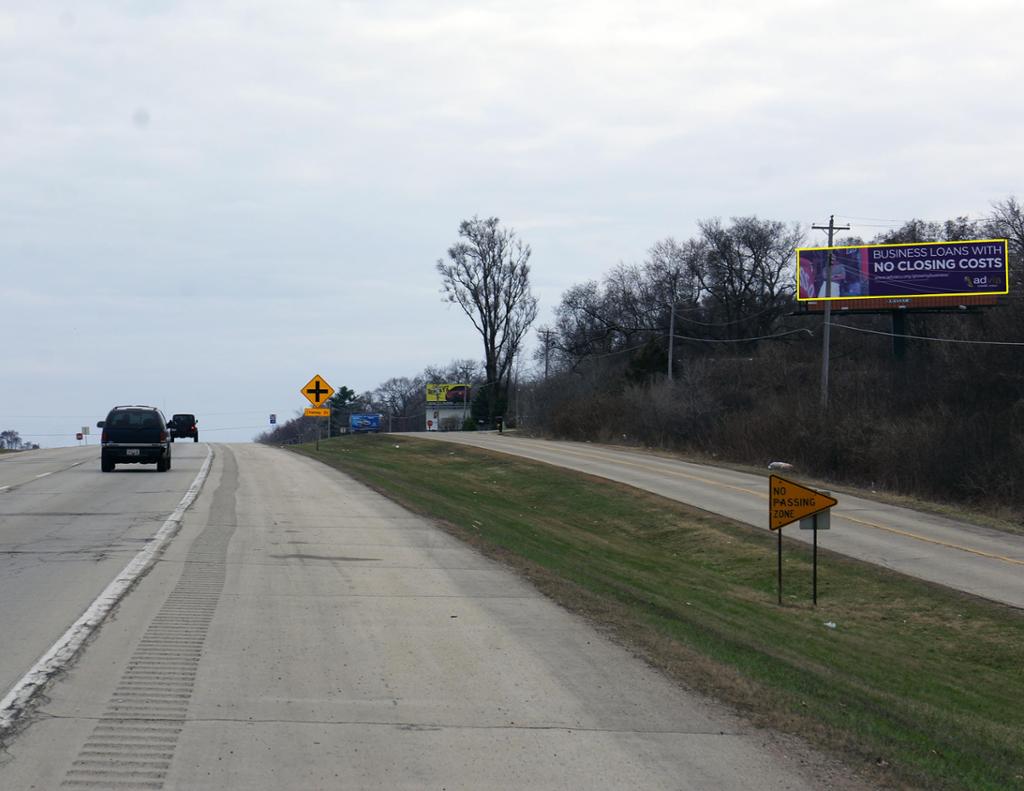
[
  {"x": 819, "y": 521},
  {"x": 780, "y": 565}
]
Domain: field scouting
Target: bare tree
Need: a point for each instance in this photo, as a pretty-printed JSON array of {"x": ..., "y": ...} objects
[
  {"x": 467, "y": 371},
  {"x": 1008, "y": 221},
  {"x": 396, "y": 394},
  {"x": 1009, "y": 215},
  {"x": 487, "y": 274},
  {"x": 745, "y": 272}
]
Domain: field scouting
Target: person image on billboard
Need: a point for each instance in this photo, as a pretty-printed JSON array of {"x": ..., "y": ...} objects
[{"x": 849, "y": 275}]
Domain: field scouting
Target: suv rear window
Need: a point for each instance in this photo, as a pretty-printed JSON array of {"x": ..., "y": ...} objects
[
  {"x": 133, "y": 418},
  {"x": 184, "y": 419}
]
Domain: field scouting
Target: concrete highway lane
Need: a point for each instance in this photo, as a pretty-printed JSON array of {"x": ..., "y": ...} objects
[
  {"x": 66, "y": 530},
  {"x": 304, "y": 632},
  {"x": 977, "y": 560}
]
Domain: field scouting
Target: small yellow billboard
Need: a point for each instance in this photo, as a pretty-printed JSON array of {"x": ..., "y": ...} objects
[{"x": 448, "y": 393}]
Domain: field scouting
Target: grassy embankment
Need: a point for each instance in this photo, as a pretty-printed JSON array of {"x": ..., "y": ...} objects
[{"x": 924, "y": 684}]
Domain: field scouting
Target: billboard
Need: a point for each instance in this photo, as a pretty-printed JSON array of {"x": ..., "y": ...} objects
[
  {"x": 448, "y": 394},
  {"x": 364, "y": 422},
  {"x": 922, "y": 270}
]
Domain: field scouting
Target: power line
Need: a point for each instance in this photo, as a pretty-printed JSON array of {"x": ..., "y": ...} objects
[
  {"x": 912, "y": 219},
  {"x": 702, "y": 340},
  {"x": 734, "y": 321},
  {"x": 618, "y": 351},
  {"x": 648, "y": 312},
  {"x": 927, "y": 337},
  {"x": 745, "y": 340}
]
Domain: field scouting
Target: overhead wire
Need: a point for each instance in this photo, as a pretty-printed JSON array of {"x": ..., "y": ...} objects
[
  {"x": 926, "y": 337},
  {"x": 744, "y": 340},
  {"x": 904, "y": 222}
]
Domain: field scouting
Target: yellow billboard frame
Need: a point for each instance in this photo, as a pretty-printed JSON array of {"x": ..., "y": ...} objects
[{"x": 1006, "y": 258}]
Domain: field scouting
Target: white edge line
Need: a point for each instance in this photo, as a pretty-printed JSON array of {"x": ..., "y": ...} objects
[{"x": 60, "y": 653}]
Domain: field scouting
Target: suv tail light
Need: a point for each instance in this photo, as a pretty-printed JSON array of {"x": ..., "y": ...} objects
[
  {"x": 103, "y": 436},
  {"x": 163, "y": 435}
]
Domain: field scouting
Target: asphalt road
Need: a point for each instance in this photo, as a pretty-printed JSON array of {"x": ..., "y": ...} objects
[
  {"x": 303, "y": 632},
  {"x": 66, "y": 530},
  {"x": 978, "y": 560}
]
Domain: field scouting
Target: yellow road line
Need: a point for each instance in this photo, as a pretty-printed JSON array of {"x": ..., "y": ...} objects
[{"x": 936, "y": 541}]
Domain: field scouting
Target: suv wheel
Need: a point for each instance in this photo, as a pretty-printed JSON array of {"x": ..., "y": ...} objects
[
  {"x": 196, "y": 437},
  {"x": 162, "y": 465},
  {"x": 106, "y": 465}
]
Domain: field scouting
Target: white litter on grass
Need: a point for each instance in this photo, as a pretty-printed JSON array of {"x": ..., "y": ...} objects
[
  {"x": 780, "y": 465},
  {"x": 830, "y": 624},
  {"x": 398, "y": 446}
]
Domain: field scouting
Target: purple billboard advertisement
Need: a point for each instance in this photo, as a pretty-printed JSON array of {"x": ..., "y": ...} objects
[{"x": 924, "y": 269}]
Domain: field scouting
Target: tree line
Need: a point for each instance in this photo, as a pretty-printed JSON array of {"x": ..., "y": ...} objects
[
  {"x": 702, "y": 348},
  {"x": 11, "y": 440}
]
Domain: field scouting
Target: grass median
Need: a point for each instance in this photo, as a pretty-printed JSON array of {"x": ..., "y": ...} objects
[{"x": 923, "y": 684}]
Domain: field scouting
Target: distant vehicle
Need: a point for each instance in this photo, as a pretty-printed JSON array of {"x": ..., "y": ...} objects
[
  {"x": 459, "y": 393},
  {"x": 135, "y": 435},
  {"x": 361, "y": 422},
  {"x": 183, "y": 425}
]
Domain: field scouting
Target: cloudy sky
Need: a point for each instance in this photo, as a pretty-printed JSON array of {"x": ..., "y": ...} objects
[{"x": 204, "y": 203}]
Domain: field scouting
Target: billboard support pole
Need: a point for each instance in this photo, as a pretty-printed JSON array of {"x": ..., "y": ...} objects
[
  {"x": 899, "y": 331},
  {"x": 827, "y": 321},
  {"x": 671, "y": 337}
]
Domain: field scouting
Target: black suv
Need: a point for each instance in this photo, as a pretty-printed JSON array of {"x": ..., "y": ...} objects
[
  {"x": 135, "y": 435},
  {"x": 183, "y": 426}
]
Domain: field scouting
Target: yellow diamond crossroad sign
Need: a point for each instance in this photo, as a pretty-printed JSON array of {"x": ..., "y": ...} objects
[
  {"x": 317, "y": 390},
  {"x": 790, "y": 502}
]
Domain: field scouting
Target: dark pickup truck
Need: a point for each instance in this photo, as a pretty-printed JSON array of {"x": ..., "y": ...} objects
[{"x": 135, "y": 435}]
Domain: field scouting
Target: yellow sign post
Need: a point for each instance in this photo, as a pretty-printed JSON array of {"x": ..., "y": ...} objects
[
  {"x": 790, "y": 502},
  {"x": 317, "y": 391}
]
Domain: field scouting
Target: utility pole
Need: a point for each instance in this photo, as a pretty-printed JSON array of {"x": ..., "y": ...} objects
[
  {"x": 827, "y": 326},
  {"x": 547, "y": 350},
  {"x": 671, "y": 337}
]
